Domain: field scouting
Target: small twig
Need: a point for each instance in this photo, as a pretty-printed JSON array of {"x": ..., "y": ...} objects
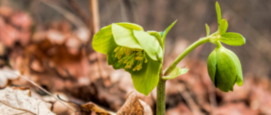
[
  {"x": 95, "y": 26},
  {"x": 42, "y": 89},
  {"x": 94, "y": 20},
  {"x": 95, "y": 15}
]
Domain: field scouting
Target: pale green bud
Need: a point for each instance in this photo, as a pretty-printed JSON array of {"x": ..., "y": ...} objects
[{"x": 224, "y": 69}]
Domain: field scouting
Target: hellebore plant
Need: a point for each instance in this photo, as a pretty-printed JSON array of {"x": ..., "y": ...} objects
[{"x": 127, "y": 46}]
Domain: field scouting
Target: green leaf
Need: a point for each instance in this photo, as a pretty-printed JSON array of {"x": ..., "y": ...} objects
[
  {"x": 218, "y": 13},
  {"x": 211, "y": 65},
  {"x": 130, "y": 26},
  {"x": 177, "y": 71},
  {"x": 147, "y": 78},
  {"x": 207, "y": 30},
  {"x": 157, "y": 36},
  {"x": 233, "y": 39},
  {"x": 103, "y": 41},
  {"x": 124, "y": 37},
  {"x": 223, "y": 26},
  {"x": 164, "y": 34},
  {"x": 149, "y": 44}
]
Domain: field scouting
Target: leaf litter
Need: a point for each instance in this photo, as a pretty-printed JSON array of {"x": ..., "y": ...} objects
[{"x": 16, "y": 101}]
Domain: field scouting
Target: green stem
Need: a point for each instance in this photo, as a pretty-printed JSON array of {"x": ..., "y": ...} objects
[
  {"x": 161, "y": 89},
  {"x": 187, "y": 50},
  {"x": 161, "y": 96},
  {"x": 218, "y": 44}
]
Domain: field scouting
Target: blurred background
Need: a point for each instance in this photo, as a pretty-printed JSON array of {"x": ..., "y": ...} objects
[{"x": 50, "y": 41}]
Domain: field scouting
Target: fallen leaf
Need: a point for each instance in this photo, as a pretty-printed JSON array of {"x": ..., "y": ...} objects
[
  {"x": 133, "y": 106},
  {"x": 6, "y": 75},
  {"x": 91, "y": 107},
  {"x": 15, "y": 101},
  {"x": 147, "y": 108}
]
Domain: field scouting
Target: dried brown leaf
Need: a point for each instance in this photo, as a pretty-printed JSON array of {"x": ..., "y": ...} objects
[
  {"x": 6, "y": 75},
  {"x": 15, "y": 101},
  {"x": 91, "y": 107},
  {"x": 133, "y": 106}
]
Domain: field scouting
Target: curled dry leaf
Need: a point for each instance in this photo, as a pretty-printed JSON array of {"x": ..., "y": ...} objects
[
  {"x": 133, "y": 106},
  {"x": 91, "y": 107},
  {"x": 6, "y": 75},
  {"x": 15, "y": 101}
]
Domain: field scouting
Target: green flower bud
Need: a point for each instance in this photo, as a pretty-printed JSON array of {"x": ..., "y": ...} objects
[{"x": 224, "y": 69}]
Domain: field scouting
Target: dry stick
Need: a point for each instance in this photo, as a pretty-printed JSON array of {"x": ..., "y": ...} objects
[
  {"x": 95, "y": 15},
  {"x": 94, "y": 9},
  {"x": 41, "y": 89}
]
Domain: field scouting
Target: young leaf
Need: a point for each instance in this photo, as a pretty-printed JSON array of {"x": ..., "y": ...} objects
[
  {"x": 218, "y": 13},
  {"x": 130, "y": 26},
  {"x": 103, "y": 41},
  {"x": 164, "y": 34},
  {"x": 223, "y": 26},
  {"x": 124, "y": 37},
  {"x": 157, "y": 36},
  {"x": 147, "y": 78},
  {"x": 233, "y": 39},
  {"x": 177, "y": 71},
  {"x": 207, "y": 30},
  {"x": 149, "y": 44}
]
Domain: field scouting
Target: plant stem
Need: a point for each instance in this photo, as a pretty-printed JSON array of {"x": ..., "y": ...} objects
[
  {"x": 161, "y": 96},
  {"x": 161, "y": 89},
  {"x": 218, "y": 44},
  {"x": 187, "y": 50}
]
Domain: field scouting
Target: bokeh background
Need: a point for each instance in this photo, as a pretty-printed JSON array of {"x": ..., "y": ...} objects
[
  {"x": 38, "y": 25},
  {"x": 250, "y": 18}
]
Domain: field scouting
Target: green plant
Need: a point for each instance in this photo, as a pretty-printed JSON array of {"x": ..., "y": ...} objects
[{"x": 140, "y": 53}]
